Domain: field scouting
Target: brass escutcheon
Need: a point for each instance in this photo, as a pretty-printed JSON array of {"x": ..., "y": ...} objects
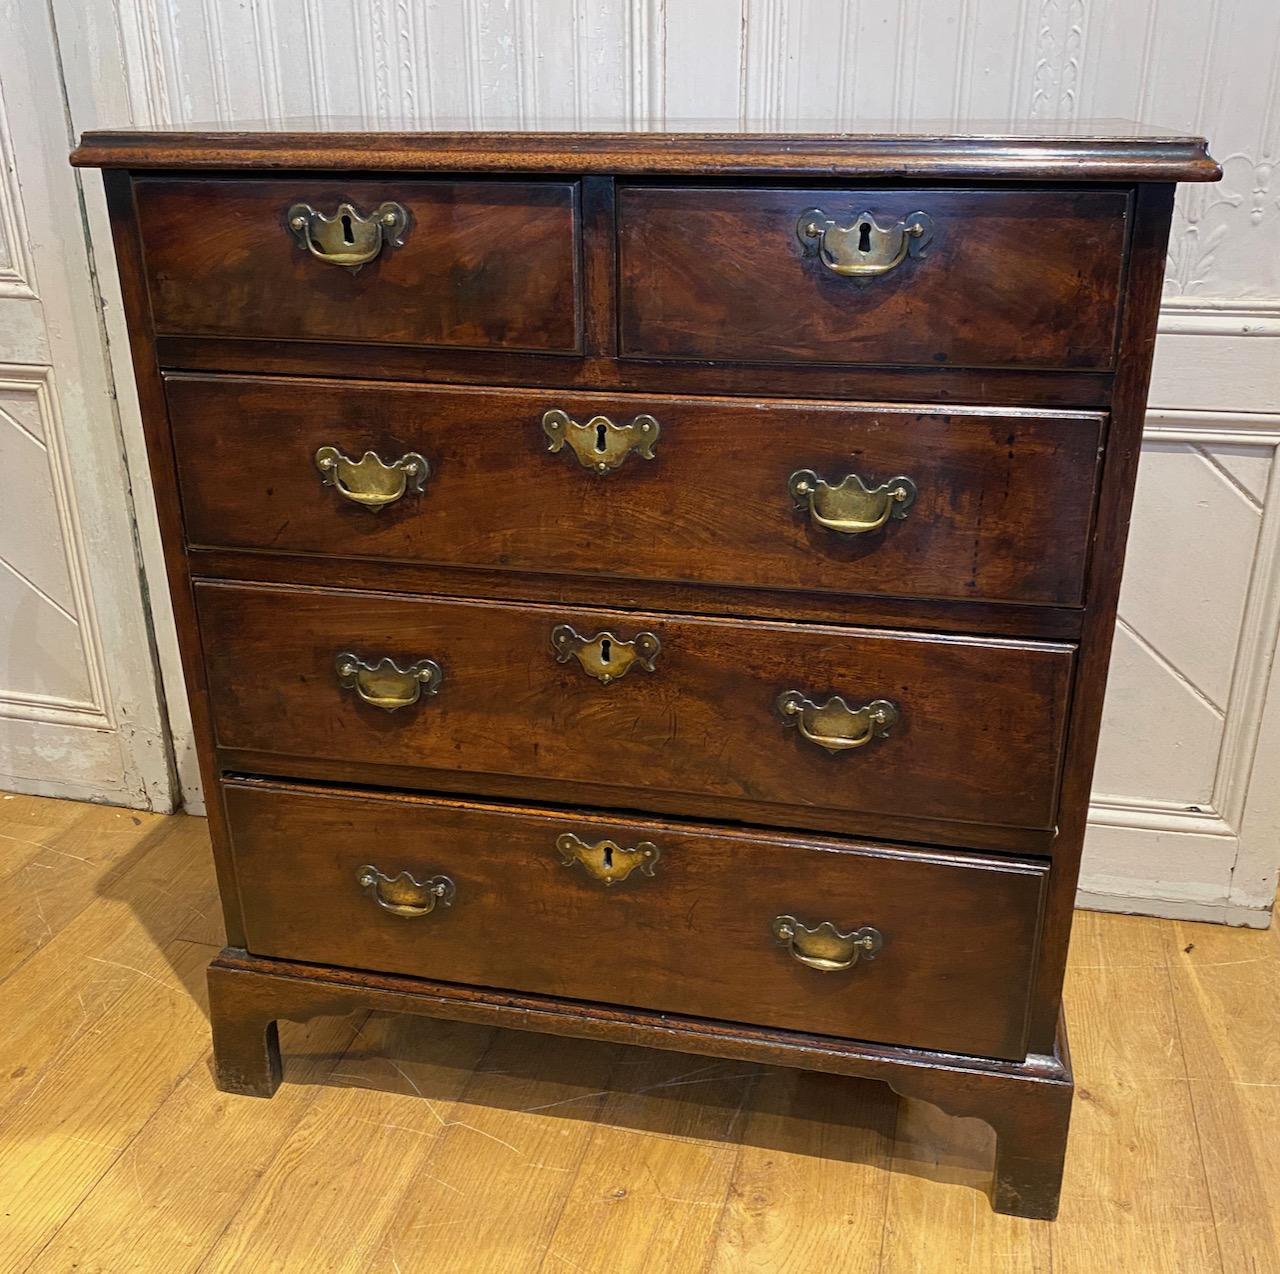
[
  {"x": 850, "y": 507},
  {"x": 371, "y": 482},
  {"x": 606, "y": 860},
  {"x": 604, "y": 656},
  {"x": 347, "y": 238},
  {"x": 824, "y": 947},
  {"x": 600, "y": 444},
  {"x": 834, "y": 725},
  {"x": 385, "y": 684},
  {"x": 402, "y": 895},
  {"x": 863, "y": 249}
]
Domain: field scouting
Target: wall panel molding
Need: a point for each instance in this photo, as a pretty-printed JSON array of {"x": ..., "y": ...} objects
[
  {"x": 17, "y": 274},
  {"x": 95, "y": 709}
]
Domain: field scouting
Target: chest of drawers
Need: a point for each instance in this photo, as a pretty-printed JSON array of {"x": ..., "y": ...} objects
[{"x": 654, "y": 588}]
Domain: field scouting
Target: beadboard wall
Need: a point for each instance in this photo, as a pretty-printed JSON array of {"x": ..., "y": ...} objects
[{"x": 1186, "y": 818}]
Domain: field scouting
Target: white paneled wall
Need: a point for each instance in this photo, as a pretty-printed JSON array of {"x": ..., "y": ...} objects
[
  {"x": 1185, "y": 820},
  {"x": 79, "y": 701}
]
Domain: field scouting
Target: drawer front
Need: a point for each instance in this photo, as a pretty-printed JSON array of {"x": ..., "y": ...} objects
[
  {"x": 972, "y": 730},
  {"x": 999, "y": 510},
  {"x": 997, "y": 278},
  {"x": 518, "y": 899},
  {"x": 482, "y": 265}
]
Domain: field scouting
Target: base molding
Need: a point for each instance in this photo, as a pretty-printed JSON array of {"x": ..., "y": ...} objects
[
  {"x": 1218, "y": 913},
  {"x": 1028, "y": 1104}
]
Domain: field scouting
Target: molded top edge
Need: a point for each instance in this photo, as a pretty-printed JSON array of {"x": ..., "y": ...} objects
[{"x": 1111, "y": 150}]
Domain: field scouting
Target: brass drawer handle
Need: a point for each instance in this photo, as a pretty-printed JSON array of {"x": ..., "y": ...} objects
[
  {"x": 600, "y": 444},
  {"x": 863, "y": 249},
  {"x": 604, "y": 656},
  {"x": 834, "y": 725},
  {"x": 824, "y": 947},
  {"x": 402, "y": 895},
  {"x": 606, "y": 860},
  {"x": 371, "y": 482},
  {"x": 385, "y": 684},
  {"x": 851, "y": 507},
  {"x": 347, "y": 238}
]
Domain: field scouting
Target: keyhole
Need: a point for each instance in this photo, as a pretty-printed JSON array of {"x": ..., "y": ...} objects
[
  {"x": 864, "y": 237},
  {"x": 348, "y": 237},
  {"x": 600, "y": 436},
  {"x": 605, "y": 647},
  {"x": 608, "y": 856}
]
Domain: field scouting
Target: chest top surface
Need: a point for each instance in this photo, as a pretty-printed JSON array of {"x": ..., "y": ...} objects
[{"x": 1092, "y": 150}]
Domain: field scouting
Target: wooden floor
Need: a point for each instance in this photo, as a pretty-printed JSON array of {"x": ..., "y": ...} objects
[{"x": 400, "y": 1144}]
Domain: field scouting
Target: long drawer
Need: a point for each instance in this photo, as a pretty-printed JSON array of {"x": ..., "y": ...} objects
[
  {"x": 820, "y": 720},
  {"x": 953, "y": 503},
  {"x": 909, "y": 947}
]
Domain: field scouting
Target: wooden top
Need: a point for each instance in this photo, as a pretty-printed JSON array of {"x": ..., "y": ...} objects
[{"x": 1106, "y": 150}]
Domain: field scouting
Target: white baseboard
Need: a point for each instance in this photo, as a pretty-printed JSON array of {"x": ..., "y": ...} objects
[{"x": 1218, "y": 913}]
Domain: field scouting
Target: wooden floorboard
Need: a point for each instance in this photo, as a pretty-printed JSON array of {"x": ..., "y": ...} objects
[{"x": 401, "y": 1144}]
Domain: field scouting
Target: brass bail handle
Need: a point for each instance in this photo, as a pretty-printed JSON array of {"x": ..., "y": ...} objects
[
  {"x": 371, "y": 482},
  {"x": 823, "y": 946},
  {"x": 384, "y": 684},
  {"x": 864, "y": 248},
  {"x": 347, "y": 238},
  {"x": 850, "y": 506},
  {"x": 834, "y": 725},
  {"x": 404, "y": 896}
]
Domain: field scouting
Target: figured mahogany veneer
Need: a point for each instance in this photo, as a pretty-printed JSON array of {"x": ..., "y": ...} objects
[
  {"x": 694, "y": 937},
  {"x": 1002, "y": 511},
  {"x": 978, "y": 739},
  {"x": 994, "y": 354},
  {"x": 483, "y": 264},
  {"x": 1026, "y": 278}
]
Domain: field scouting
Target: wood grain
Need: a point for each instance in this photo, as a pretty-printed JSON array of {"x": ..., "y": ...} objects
[
  {"x": 483, "y": 264},
  {"x": 704, "y": 722},
  {"x": 959, "y": 930},
  {"x": 711, "y": 273},
  {"x": 1002, "y": 513},
  {"x": 1131, "y": 152}
]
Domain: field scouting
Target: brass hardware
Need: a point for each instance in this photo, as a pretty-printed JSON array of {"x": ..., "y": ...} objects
[
  {"x": 824, "y": 947},
  {"x": 402, "y": 895},
  {"x": 347, "y": 238},
  {"x": 606, "y": 860},
  {"x": 863, "y": 249},
  {"x": 834, "y": 725},
  {"x": 605, "y": 656},
  {"x": 371, "y": 482},
  {"x": 851, "y": 507},
  {"x": 385, "y": 684},
  {"x": 600, "y": 444}
]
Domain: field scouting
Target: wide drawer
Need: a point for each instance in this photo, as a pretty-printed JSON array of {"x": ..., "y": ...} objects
[
  {"x": 968, "y": 278},
  {"x": 1000, "y": 502},
  {"x": 478, "y": 264},
  {"x": 694, "y": 920},
  {"x": 818, "y": 719}
]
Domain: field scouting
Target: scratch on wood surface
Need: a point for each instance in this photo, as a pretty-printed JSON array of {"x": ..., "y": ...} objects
[{"x": 142, "y": 973}]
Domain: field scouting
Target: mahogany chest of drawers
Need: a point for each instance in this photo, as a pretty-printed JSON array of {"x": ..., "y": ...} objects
[{"x": 656, "y": 588}]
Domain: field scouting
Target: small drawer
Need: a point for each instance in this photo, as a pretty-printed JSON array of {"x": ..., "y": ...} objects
[
  {"x": 934, "y": 277},
  {"x": 959, "y": 503},
  {"x": 896, "y": 946},
  {"x": 468, "y": 264},
  {"x": 819, "y": 721}
]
